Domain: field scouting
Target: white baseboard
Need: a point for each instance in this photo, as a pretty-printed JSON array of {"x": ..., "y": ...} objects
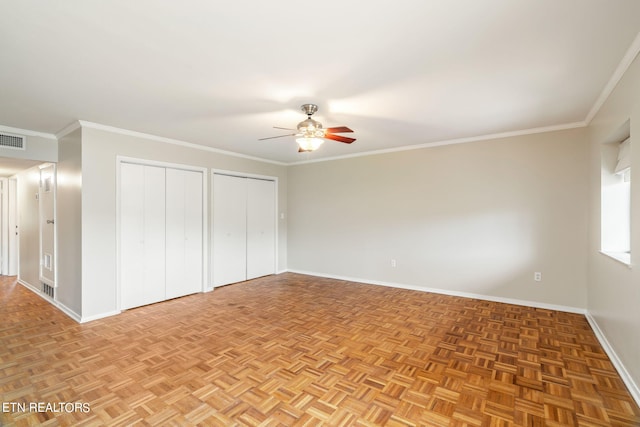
[
  {"x": 492, "y": 298},
  {"x": 86, "y": 319},
  {"x": 66, "y": 310},
  {"x": 31, "y": 287},
  {"x": 63, "y": 308},
  {"x": 634, "y": 389}
]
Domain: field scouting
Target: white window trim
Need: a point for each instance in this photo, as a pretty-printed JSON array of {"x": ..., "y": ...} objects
[{"x": 621, "y": 257}]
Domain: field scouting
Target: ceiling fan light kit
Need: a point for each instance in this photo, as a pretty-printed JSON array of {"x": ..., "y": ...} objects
[
  {"x": 311, "y": 135},
  {"x": 309, "y": 144}
]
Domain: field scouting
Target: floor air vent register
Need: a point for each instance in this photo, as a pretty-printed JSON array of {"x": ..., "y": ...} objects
[{"x": 48, "y": 290}]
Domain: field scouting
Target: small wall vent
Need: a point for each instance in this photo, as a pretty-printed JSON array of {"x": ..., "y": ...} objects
[{"x": 16, "y": 142}]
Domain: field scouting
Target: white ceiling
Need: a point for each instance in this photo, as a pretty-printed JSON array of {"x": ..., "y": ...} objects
[{"x": 222, "y": 73}]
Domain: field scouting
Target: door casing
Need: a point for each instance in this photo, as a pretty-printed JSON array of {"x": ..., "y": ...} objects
[{"x": 47, "y": 220}]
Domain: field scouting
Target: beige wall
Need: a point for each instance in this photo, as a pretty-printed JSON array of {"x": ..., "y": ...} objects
[
  {"x": 28, "y": 227},
  {"x": 614, "y": 288},
  {"x": 100, "y": 149},
  {"x": 477, "y": 218},
  {"x": 69, "y": 220}
]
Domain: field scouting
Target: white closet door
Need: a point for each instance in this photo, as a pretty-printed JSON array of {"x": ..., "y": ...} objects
[
  {"x": 184, "y": 232},
  {"x": 142, "y": 235},
  {"x": 154, "y": 239},
  {"x": 193, "y": 232},
  {"x": 261, "y": 237},
  {"x": 131, "y": 234},
  {"x": 229, "y": 229}
]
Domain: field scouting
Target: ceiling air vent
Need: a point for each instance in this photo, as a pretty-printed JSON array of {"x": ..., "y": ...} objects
[{"x": 8, "y": 140}]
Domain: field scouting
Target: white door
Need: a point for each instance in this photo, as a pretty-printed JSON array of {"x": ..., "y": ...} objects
[
  {"x": 261, "y": 220},
  {"x": 46, "y": 200},
  {"x": 4, "y": 235},
  {"x": 229, "y": 229},
  {"x": 184, "y": 232},
  {"x": 142, "y": 235},
  {"x": 13, "y": 227},
  {"x": 131, "y": 234}
]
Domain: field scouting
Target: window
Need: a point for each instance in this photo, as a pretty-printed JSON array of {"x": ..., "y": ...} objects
[{"x": 616, "y": 196}]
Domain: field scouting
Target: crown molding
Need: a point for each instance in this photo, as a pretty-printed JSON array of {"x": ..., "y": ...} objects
[
  {"x": 531, "y": 131},
  {"x": 630, "y": 55},
  {"x": 91, "y": 125},
  {"x": 98, "y": 126},
  {"x": 67, "y": 130},
  {"x": 26, "y": 132},
  {"x": 617, "y": 75}
]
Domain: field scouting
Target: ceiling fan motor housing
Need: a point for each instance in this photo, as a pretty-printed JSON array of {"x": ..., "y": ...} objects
[
  {"x": 309, "y": 109},
  {"x": 310, "y": 128},
  {"x": 309, "y": 125}
]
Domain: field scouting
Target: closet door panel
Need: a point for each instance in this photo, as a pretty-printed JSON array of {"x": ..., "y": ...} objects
[
  {"x": 142, "y": 235},
  {"x": 260, "y": 228},
  {"x": 154, "y": 234},
  {"x": 131, "y": 235},
  {"x": 194, "y": 223},
  {"x": 184, "y": 232},
  {"x": 229, "y": 229},
  {"x": 175, "y": 224}
]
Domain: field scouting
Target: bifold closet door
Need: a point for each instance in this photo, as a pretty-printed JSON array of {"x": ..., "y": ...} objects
[
  {"x": 244, "y": 237},
  {"x": 229, "y": 229},
  {"x": 261, "y": 233},
  {"x": 142, "y": 235},
  {"x": 183, "y": 232}
]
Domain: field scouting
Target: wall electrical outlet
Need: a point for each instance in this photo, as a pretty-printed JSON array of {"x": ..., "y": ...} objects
[
  {"x": 393, "y": 263},
  {"x": 537, "y": 276}
]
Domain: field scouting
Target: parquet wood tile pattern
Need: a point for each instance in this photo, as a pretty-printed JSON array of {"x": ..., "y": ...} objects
[{"x": 294, "y": 350}]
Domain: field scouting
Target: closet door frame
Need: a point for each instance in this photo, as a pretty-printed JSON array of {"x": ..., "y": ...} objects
[
  {"x": 205, "y": 218},
  {"x": 276, "y": 216}
]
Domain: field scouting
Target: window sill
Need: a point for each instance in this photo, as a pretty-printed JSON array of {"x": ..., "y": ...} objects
[{"x": 622, "y": 257}]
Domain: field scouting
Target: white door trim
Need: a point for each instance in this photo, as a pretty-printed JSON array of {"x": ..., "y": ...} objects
[
  {"x": 4, "y": 226},
  {"x": 12, "y": 222},
  {"x": 43, "y": 279}
]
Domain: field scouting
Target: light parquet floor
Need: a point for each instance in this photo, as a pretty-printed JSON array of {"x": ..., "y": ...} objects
[{"x": 294, "y": 350}]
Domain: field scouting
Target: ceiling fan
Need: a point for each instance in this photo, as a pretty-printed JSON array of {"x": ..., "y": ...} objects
[{"x": 310, "y": 133}]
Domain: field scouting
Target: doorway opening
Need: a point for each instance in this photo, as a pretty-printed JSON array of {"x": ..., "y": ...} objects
[{"x": 22, "y": 216}]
